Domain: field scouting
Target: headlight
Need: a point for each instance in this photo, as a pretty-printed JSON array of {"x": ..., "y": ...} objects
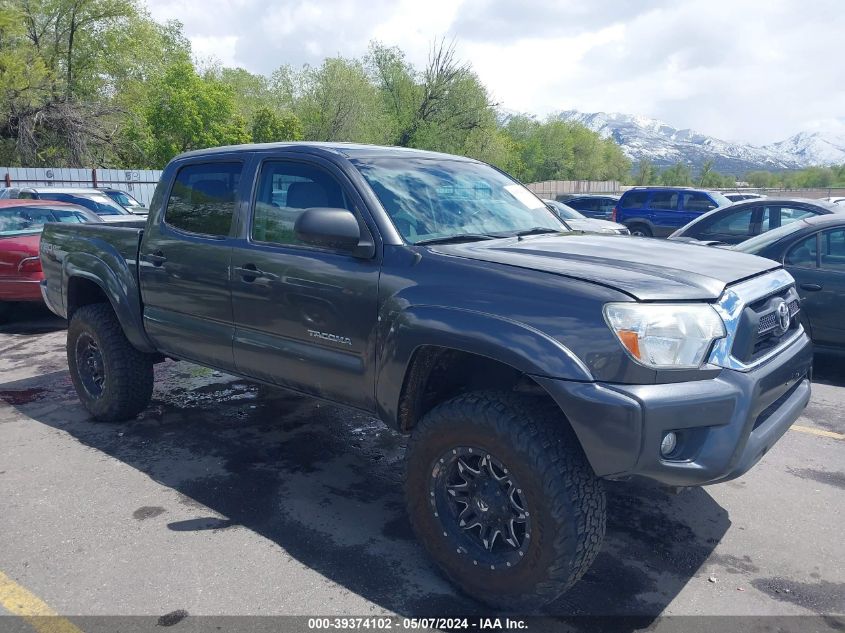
[{"x": 664, "y": 336}]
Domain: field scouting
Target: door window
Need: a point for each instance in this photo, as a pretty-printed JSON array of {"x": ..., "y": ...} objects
[
  {"x": 803, "y": 254},
  {"x": 697, "y": 202},
  {"x": 738, "y": 223},
  {"x": 202, "y": 200},
  {"x": 285, "y": 190},
  {"x": 833, "y": 250},
  {"x": 634, "y": 200},
  {"x": 789, "y": 215},
  {"x": 664, "y": 200}
]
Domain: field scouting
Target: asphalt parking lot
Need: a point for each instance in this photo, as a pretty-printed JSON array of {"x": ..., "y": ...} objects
[{"x": 223, "y": 498}]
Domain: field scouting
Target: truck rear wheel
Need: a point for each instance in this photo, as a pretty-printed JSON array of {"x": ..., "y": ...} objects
[
  {"x": 501, "y": 495},
  {"x": 114, "y": 380}
]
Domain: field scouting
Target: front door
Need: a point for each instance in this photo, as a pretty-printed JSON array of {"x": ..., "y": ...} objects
[
  {"x": 304, "y": 317},
  {"x": 184, "y": 265}
]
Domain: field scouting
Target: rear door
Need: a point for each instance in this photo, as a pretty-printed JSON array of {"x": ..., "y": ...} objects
[
  {"x": 665, "y": 212},
  {"x": 184, "y": 265},
  {"x": 304, "y": 316},
  {"x": 817, "y": 263},
  {"x": 822, "y": 284}
]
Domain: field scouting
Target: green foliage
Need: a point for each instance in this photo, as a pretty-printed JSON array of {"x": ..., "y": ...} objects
[
  {"x": 98, "y": 82},
  {"x": 268, "y": 126},
  {"x": 556, "y": 150},
  {"x": 186, "y": 111},
  {"x": 811, "y": 177},
  {"x": 678, "y": 175}
]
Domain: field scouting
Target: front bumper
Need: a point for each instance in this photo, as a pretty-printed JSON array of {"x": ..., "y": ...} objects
[{"x": 725, "y": 424}]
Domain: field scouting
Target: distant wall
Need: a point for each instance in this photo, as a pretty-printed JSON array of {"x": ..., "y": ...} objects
[
  {"x": 139, "y": 182},
  {"x": 551, "y": 188}
]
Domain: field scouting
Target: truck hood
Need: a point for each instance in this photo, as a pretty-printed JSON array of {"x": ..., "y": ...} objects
[{"x": 647, "y": 269}]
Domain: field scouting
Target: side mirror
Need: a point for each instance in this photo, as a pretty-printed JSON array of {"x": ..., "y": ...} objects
[{"x": 332, "y": 228}]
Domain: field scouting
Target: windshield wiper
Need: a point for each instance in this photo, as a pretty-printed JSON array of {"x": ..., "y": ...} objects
[
  {"x": 537, "y": 230},
  {"x": 456, "y": 239}
]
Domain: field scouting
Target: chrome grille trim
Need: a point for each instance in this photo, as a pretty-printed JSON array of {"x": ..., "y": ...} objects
[{"x": 730, "y": 306}]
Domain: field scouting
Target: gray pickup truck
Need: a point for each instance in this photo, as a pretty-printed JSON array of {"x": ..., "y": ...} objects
[{"x": 527, "y": 361}]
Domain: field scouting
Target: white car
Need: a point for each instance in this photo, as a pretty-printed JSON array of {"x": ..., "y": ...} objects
[{"x": 835, "y": 199}]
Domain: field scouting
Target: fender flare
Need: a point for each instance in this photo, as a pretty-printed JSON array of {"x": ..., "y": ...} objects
[
  {"x": 515, "y": 344},
  {"x": 117, "y": 281}
]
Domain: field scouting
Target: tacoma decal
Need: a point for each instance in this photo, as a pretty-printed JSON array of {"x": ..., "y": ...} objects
[{"x": 334, "y": 338}]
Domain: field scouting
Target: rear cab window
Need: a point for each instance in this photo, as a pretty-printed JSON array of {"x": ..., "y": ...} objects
[{"x": 202, "y": 199}]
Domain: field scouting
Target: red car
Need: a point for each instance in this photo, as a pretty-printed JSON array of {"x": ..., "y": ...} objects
[{"x": 21, "y": 222}]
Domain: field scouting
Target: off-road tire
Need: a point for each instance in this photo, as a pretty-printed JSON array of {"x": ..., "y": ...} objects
[
  {"x": 564, "y": 497},
  {"x": 128, "y": 373}
]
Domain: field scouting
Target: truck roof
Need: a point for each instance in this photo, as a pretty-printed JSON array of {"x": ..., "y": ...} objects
[{"x": 348, "y": 150}]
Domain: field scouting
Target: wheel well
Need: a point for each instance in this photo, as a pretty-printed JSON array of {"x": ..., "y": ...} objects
[
  {"x": 436, "y": 374},
  {"x": 83, "y": 292}
]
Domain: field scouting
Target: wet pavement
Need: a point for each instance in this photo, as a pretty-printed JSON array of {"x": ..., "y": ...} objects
[{"x": 229, "y": 498}]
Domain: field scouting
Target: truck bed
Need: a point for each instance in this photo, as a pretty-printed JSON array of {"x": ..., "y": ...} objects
[{"x": 109, "y": 247}]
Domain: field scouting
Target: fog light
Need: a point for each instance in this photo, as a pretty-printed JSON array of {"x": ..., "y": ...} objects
[{"x": 669, "y": 443}]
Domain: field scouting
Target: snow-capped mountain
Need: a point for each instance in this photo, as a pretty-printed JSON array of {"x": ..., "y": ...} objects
[
  {"x": 813, "y": 148},
  {"x": 642, "y": 137}
]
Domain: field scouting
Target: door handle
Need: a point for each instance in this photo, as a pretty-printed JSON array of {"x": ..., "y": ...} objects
[
  {"x": 156, "y": 258},
  {"x": 251, "y": 272},
  {"x": 811, "y": 287}
]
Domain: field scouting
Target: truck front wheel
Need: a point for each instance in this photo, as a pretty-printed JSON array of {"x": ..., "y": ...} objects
[
  {"x": 501, "y": 495},
  {"x": 114, "y": 380}
]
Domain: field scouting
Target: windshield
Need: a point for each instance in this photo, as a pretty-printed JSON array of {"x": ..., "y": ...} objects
[
  {"x": 720, "y": 199},
  {"x": 435, "y": 199},
  {"x": 758, "y": 243},
  {"x": 123, "y": 198},
  {"x": 564, "y": 211},
  {"x": 99, "y": 203},
  {"x": 28, "y": 220}
]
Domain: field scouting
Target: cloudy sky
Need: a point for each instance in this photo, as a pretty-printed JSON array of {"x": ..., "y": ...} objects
[{"x": 749, "y": 70}]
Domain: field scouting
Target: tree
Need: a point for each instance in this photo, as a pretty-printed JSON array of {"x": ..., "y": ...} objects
[
  {"x": 337, "y": 102},
  {"x": 188, "y": 112},
  {"x": 678, "y": 175},
  {"x": 438, "y": 108},
  {"x": 51, "y": 77},
  {"x": 645, "y": 174},
  {"x": 269, "y": 126}
]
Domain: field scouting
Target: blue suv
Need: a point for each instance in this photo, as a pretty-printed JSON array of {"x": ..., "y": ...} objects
[{"x": 660, "y": 211}]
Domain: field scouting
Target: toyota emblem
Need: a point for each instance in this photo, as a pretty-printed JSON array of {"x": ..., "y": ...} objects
[{"x": 783, "y": 316}]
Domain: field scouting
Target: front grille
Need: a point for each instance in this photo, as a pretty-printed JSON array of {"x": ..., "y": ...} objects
[
  {"x": 769, "y": 321},
  {"x": 759, "y": 328}
]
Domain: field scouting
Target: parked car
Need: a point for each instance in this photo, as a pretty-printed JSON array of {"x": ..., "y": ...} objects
[
  {"x": 21, "y": 222},
  {"x": 812, "y": 250},
  {"x": 598, "y": 206},
  {"x": 743, "y": 220},
  {"x": 739, "y": 196},
  {"x": 578, "y": 222},
  {"x": 659, "y": 211},
  {"x": 526, "y": 361},
  {"x": 125, "y": 199},
  {"x": 835, "y": 199},
  {"x": 92, "y": 199}
]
